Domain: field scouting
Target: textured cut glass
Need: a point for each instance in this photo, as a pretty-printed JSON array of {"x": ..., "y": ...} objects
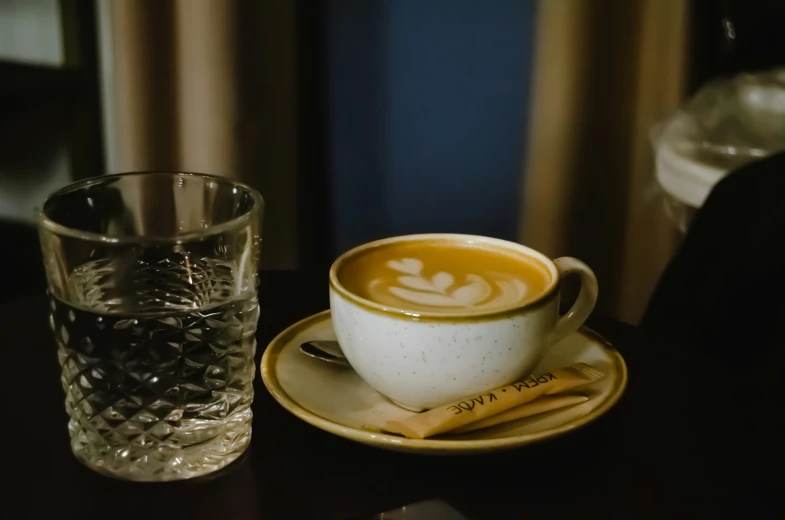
[{"x": 153, "y": 304}]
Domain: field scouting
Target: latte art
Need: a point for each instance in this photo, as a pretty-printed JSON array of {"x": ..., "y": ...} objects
[
  {"x": 445, "y": 277},
  {"x": 477, "y": 292}
]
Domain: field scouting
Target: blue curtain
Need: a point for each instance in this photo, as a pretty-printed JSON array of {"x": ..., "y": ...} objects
[{"x": 428, "y": 106}]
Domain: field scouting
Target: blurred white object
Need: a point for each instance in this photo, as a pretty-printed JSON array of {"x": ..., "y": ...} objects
[
  {"x": 426, "y": 510},
  {"x": 728, "y": 123}
]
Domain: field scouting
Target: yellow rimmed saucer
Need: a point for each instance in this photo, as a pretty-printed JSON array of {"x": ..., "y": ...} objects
[{"x": 338, "y": 401}]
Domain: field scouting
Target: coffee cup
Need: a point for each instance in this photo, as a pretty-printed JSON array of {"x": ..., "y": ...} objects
[{"x": 433, "y": 318}]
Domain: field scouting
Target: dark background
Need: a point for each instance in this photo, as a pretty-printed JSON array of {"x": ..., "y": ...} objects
[{"x": 348, "y": 144}]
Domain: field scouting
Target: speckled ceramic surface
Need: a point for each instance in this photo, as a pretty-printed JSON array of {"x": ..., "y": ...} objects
[
  {"x": 423, "y": 358},
  {"x": 337, "y": 400}
]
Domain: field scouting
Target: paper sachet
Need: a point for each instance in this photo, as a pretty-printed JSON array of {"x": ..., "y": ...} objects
[
  {"x": 460, "y": 414},
  {"x": 546, "y": 403}
]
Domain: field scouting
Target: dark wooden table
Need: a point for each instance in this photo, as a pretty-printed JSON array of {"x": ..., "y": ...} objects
[{"x": 294, "y": 470}]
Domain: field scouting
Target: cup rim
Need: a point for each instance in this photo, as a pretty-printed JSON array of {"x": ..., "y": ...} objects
[
  {"x": 43, "y": 221},
  {"x": 543, "y": 298}
]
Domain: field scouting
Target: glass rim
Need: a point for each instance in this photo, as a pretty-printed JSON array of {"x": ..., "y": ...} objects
[{"x": 43, "y": 221}]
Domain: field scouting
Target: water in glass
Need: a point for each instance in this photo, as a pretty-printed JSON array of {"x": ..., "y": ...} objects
[{"x": 156, "y": 344}]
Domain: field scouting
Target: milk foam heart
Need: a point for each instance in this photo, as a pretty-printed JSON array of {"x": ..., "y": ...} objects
[
  {"x": 445, "y": 277},
  {"x": 483, "y": 291}
]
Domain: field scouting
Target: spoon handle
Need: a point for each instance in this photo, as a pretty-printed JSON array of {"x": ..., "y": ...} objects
[
  {"x": 330, "y": 347},
  {"x": 315, "y": 349}
]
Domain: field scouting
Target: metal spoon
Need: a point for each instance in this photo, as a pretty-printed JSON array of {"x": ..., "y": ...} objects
[{"x": 329, "y": 351}]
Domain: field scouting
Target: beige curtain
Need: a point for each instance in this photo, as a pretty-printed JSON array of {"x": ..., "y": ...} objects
[
  {"x": 605, "y": 72},
  {"x": 205, "y": 86}
]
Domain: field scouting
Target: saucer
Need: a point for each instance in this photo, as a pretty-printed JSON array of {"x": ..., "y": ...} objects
[{"x": 338, "y": 401}]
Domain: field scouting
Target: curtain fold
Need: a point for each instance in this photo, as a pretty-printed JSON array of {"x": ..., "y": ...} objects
[
  {"x": 206, "y": 86},
  {"x": 605, "y": 71}
]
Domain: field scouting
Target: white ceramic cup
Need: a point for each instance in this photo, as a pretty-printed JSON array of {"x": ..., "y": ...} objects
[{"x": 421, "y": 360}]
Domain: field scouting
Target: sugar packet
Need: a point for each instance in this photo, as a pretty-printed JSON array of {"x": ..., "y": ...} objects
[{"x": 452, "y": 416}]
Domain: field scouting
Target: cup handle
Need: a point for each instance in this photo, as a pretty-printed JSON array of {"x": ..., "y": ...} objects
[{"x": 585, "y": 301}]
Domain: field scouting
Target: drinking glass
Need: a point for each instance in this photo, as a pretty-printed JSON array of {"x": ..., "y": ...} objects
[{"x": 152, "y": 282}]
